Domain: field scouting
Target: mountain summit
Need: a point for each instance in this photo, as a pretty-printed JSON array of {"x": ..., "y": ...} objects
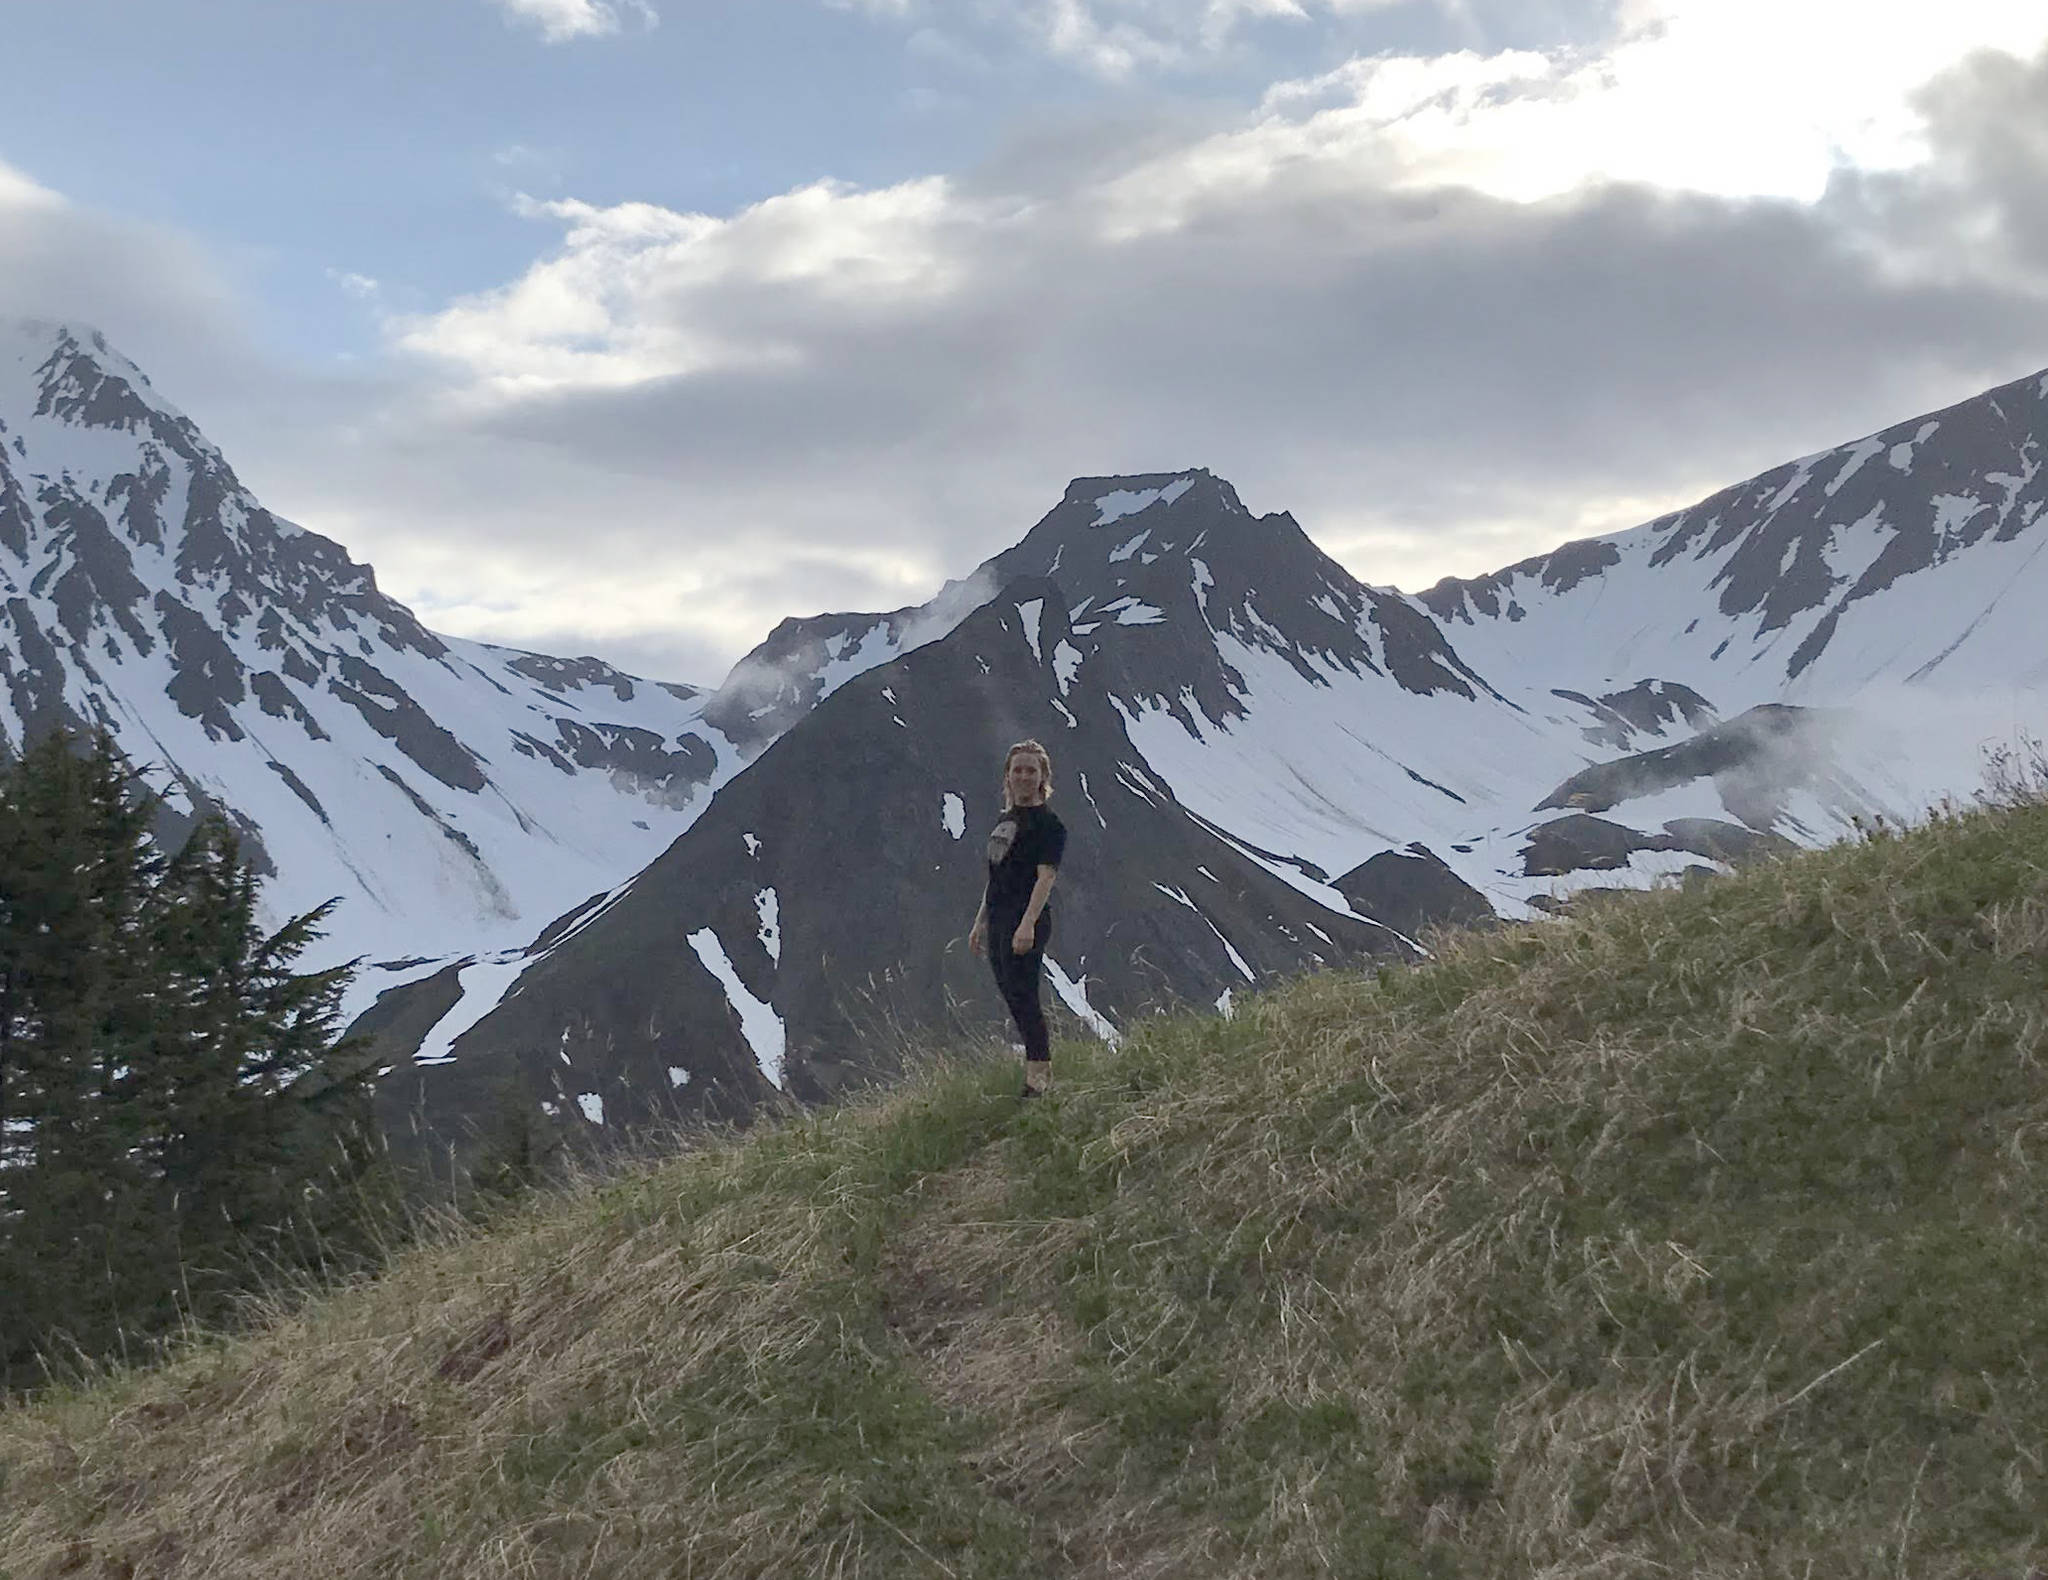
[{"x": 446, "y": 790}]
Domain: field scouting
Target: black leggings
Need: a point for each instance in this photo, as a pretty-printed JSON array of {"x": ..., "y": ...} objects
[{"x": 1017, "y": 979}]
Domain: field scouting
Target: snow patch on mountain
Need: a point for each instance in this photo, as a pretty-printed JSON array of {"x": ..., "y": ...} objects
[
  {"x": 1031, "y": 611},
  {"x": 484, "y": 984},
  {"x": 1121, "y": 502},
  {"x": 1066, "y": 664},
  {"x": 1073, "y": 993},
  {"x": 759, "y": 1024},
  {"x": 1901, "y": 454}
]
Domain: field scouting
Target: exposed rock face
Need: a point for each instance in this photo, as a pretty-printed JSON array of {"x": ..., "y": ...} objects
[
  {"x": 1412, "y": 890},
  {"x": 1649, "y": 707},
  {"x": 1578, "y": 843},
  {"x": 1788, "y": 586}
]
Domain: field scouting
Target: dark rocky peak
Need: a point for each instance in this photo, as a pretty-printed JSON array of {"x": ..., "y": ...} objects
[
  {"x": 1106, "y": 529},
  {"x": 103, "y": 467},
  {"x": 1082, "y": 540},
  {"x": 568, "y": 677},
  {"x": 1649, "y": 707},
  {"x": 1160, "y": 565},
  {"x": 83, "y": 381},
  {"x": 1155, "y": 566},
  {"x": 80, "y": 381}
]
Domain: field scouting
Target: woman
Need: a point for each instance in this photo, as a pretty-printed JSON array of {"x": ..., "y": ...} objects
[{"x": 1014, "y": 923}]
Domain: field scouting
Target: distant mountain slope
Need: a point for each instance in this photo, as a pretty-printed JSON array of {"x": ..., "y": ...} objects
[
  {"x": 1910, "y": 557},
  {"x": 449, "y": 791}
]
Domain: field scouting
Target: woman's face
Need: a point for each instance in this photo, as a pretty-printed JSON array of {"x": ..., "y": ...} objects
[{"x": 1027, "y": 780}]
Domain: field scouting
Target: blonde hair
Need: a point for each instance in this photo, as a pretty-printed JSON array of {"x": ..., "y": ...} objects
[{"x": 1031, "y": 749}]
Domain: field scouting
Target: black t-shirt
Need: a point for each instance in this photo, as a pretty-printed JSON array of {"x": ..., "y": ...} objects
[{"x": 1026, "y": 838}]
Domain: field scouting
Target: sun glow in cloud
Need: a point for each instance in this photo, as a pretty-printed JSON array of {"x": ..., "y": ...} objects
[
  {"x": 1736, "y": 99},
  {"x": 17, "y": 191}
]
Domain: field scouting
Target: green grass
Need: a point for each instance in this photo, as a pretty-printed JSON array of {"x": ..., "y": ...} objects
[{"x": 1700, "y": 1233}]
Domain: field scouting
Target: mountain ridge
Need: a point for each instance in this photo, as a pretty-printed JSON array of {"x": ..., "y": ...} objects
[
  {"x": 1264, "y": 747},
  {"x": 1353, "y": 746}
]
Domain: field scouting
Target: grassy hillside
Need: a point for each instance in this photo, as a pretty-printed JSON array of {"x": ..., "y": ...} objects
[{"x": 1700, "y": 1233}]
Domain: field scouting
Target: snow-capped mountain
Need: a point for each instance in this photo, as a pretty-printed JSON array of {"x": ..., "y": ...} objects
[
  {"x": 810, "y": 925},
  {"x": 1266, "y": 764},
  {"x": 454, "y": 794},
  {"x": 1908, "y": 558}
]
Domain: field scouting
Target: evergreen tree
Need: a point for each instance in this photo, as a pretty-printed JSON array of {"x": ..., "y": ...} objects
[
  {"x": 80, "y": 874},
  {"x": 173, "y": 1125},
  {"x": 259, "y": 1144}
]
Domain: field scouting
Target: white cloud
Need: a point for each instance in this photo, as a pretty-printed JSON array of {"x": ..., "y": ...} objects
[
  {"x": 358, "y": 286},
  {"x": 632, "y": 293},
  {"x": 19, "y": 191},
  {"x": 1449, "y": 311},
  {"x": 1409, "y": 301},
  {"x": 637, "y": 292},
  {"x": 1117, "y": 38},
  {"x": 155, "y": 291},
  {"x": 562, "y": 20},
  {"x": 1738, "y": 98}
]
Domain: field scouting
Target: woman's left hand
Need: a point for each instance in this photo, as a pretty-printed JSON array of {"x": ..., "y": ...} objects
[{"x": 1025, "y": 936}]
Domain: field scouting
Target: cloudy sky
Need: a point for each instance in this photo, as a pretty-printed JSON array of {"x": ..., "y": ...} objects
[{"x": 630, "y": 326}]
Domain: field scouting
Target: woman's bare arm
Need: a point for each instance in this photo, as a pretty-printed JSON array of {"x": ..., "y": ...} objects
[{"x": 1041, "y": 891}]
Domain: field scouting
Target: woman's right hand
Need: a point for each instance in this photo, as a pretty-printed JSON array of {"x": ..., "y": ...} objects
[{"x": 977, "y": 938}]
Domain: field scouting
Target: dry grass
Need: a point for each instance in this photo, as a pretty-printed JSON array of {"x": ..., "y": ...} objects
[{"x": 1699, "y": 1234}]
